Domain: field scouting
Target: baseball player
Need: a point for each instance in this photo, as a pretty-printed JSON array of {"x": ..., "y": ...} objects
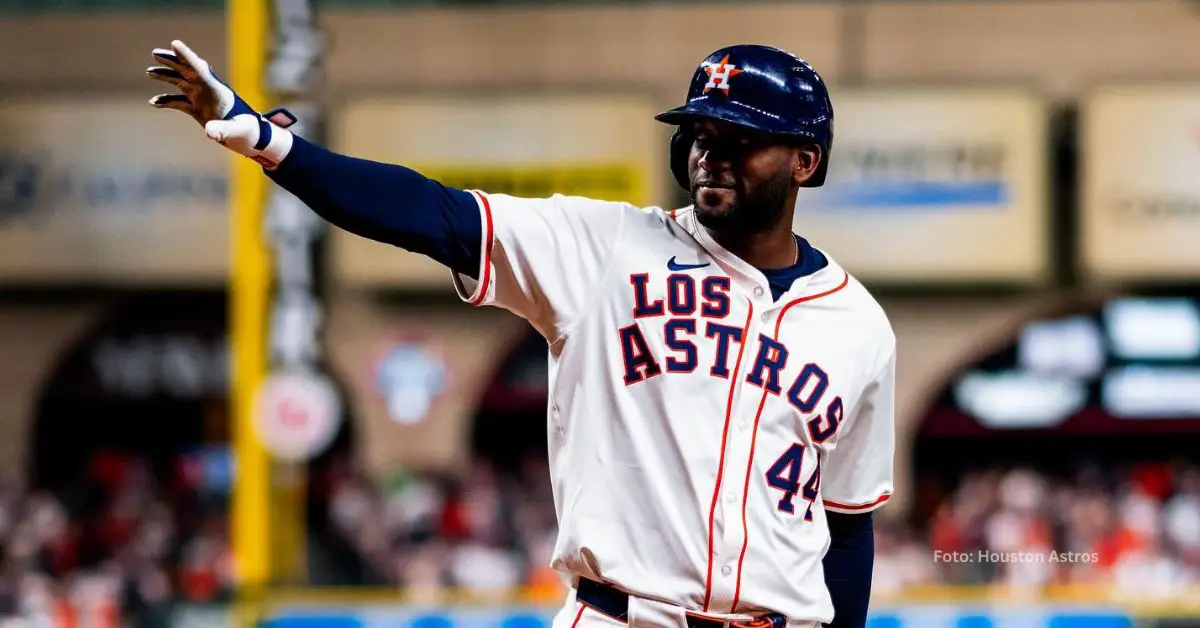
[{"x": 720, "y": 392}]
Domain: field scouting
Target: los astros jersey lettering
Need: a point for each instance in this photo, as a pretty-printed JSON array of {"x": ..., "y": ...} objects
[{"x": 698, "y": 429}]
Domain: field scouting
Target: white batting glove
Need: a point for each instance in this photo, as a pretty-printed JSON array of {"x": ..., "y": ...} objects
[{"x": 226, "y": 118}]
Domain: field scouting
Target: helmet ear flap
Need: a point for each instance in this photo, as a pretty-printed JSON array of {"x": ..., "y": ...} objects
[{"x": 681, "y": 146}]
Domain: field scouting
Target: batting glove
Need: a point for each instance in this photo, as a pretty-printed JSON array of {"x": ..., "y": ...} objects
[{"x": 226, "y": 118}]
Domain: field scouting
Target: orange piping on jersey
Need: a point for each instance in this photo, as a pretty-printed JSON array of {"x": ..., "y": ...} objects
[
  {"x": 671, "y": 213},
  {"x": 712, "y": 510},
  {"x": 737, "y": 591},
  {"x": 880, "y": 500},
  {"x": 811, "y": 297},
  {"x": 579, "y": 614},
  {"x": 488, "y": 238}
]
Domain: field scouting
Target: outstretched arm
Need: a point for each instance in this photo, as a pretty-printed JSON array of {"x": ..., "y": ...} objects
[
  {"x": 386, "y": 203},
  {"x": 540, "y": 258},
  {"x": 383, "y": 202}
]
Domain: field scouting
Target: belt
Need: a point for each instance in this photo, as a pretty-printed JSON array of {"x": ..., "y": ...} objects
[{"x": 615, "y": 603}]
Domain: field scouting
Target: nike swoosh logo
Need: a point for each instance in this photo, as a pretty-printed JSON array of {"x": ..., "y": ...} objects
[{"x": 673, "y": 265}]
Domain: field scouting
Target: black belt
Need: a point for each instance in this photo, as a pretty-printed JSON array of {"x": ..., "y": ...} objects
[{"x": 615, "y": 603}]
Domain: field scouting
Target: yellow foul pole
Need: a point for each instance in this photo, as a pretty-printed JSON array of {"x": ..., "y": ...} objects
[{"x": 247, "y": 32}]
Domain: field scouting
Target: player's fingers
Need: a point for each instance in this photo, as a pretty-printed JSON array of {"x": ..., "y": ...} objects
[
  {"x": 164, "y": 72},
  {"x": 169, "y": 99},
  {"x": 172, "y": 61},
  {"x": 167, "y": 75},
  {"x": 179, "y": 102},
  {"x": 168, "y": 58},
  {"x": 190, "y": 58}
]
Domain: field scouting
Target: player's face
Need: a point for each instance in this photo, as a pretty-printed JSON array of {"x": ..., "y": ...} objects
[{"x": 741, "y": 180}]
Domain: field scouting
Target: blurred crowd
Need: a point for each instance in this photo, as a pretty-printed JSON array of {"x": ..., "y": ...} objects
[
  {"x": 131, "y": 537},
  {"x": 1136, "y": 529},
  {"x": 481, "y": 532},
  {"x": 121, "y": 541}
]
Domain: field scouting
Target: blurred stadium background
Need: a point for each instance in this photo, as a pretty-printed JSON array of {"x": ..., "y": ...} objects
[{"x": 1018, "y": 181}]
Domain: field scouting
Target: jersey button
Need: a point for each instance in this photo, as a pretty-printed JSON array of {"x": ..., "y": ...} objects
[
  {"x": 726, "y": 570},
  {"x": 766, "y": 317},
  {"x": 758, "y": 291}
]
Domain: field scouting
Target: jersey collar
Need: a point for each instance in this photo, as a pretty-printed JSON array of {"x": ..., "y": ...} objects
[{"x": 831, "y": 275}]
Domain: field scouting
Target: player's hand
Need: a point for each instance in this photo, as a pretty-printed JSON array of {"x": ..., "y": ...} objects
[{"x": 226, "y": 118}]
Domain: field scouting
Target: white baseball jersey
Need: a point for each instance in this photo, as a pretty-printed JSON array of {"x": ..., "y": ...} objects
[{"x": 698, "y": 429}]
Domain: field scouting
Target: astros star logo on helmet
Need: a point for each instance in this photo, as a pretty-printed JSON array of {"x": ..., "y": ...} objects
[{"x": 719, "y": 74}]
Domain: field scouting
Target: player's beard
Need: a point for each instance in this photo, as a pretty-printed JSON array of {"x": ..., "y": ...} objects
[{"x": 752, "y": 211}]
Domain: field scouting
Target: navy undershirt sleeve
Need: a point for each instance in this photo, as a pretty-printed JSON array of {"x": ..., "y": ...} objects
[
  {"x": 848, "y": 565},
  {"x": 386, "y": 203}
]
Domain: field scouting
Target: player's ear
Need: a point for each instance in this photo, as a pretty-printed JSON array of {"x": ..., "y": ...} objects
[{"x": 808, "y": 158}]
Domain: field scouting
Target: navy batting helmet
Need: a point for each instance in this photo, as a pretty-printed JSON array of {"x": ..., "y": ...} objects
[{"x": 758, "y": 87}]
